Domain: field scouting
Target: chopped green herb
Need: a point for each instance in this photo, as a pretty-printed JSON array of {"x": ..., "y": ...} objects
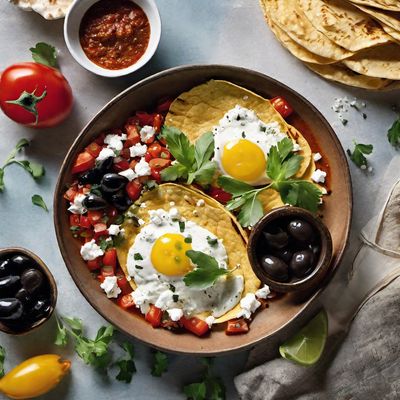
[
  {"x": 212, "y": 241},
  {"x": 137, "y": 256},
  {"x": 182, "y": 226},
  {"x": 45, "y": 54},
  {"x": 394, "y": 134},
  {"x": 358, "y": 154},
  {"x": 74, "y": 228},
  {"x": 61, "y": 336},
  {"x": 172, "y": 288},
  {"x": 126, "y": 365},
  {"x": 37, "y": 200},
  {"x": 188, "y": 239},
  {"x": 120, "y": 219},
  {"x": 106, "y": 244},
  {"x": 160, "y": 364},
  {"x": 138, "y": 267}
]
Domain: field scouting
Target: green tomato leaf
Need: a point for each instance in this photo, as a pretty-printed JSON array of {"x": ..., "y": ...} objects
[
  {"x": 45, "y": 54},
  {"x": 233, "y": 186},
  {"x": 37, "y": 200},
  {"x": 160, "y": 363},
  {"x": 126, "y": 365},
  {"x": 251, "y": 211},
  {"x": 179, "y": 146},
  {"x": 2, "y": 359},
  {"x": 196, "y": 391},
  {"x": 394, "y": 134},
  {"x": 174, "y": 172},
  {"x": 203, "y": 149},
  {"x": 303, "y": 194}
]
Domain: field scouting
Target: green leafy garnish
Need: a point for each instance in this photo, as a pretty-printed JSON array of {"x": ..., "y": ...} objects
[
  {"x": 2, "y": 359},
  {"x": 137, "y": 256},
  {"x": 45, "y": 54},
  {"x": 207, "y": 270},
  {"x": 62, "y": 334},
  {"x": 193, "y": 162},
  {"x": 126, "y": 365},
  {"x": 394, "y": 134},
  {"x": 37, "y": 200},
  {"x": 196, "y": 391},
  {"x": 358, "y": 154},
  {"x": 281, "y": 168},
  {"x": 160, "y": 363}
]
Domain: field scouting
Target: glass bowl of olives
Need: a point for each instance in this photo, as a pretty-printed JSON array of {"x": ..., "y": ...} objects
[
  {"x": 28, "y": 291},
  {"x": 290, "y": 249}
]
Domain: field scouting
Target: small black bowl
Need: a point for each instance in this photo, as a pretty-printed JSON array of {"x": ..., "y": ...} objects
[
  {"x": 322, "y": 264},
  {"x": 52, "y": 287}
]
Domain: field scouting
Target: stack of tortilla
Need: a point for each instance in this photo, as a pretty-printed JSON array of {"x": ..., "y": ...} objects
[{"x": 354, "y": 42}]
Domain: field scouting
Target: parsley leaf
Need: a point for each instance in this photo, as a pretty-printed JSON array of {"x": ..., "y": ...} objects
[
  {"x": 216, "y": 388},
  {"x": 196, "y": 391},
  {"x": 358, "y": 154},
  {"x": 203, "y": 149},
  {"x": 62, "y": 335},
  {"x": 179, "y": 146},
  {"x": 45, "y": 54},
  {"x": 75, "y": 324},
  {"x": 394, "y": 134},
  {"x": 2, "y": 359},
  {"x": 174, "y": 172},
  {"x": 251, "y": 211},
  {"x": 237, "y": 188},
  {"x": 126, "y": 365},
  {"x": 303, "y": 194},
  {"x": 160, "y": 363},
  {"x": 207, "y": 270},
  {"x": 37, "y": 200}
]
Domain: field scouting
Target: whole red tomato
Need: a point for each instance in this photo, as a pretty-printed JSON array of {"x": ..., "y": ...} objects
[{"x": 35, "y": 95}]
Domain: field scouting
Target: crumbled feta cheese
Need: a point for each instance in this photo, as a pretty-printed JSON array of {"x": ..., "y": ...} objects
[
  {"x": 90, "y": 251},
  {"x": 175, "y": 314},
  {"x": 128, "y": 174},
  {"x": 110, "y": 287},
  {"x": 76, "y": 206},
  {"x": 114, "y": 230},
  {"x": 156, "y": 217},
  {"x": 210, "y": 320},
  {"x": 114, "y": 142},
  {"x": 263, "y": 292},
  {"x": 164, "y": 300},
  {"x": 318, "y": 176},
  {"x": 138, "y": 150},
  {"x": 143, "y": 205},
  {"x": 200, "y": 203},
  {"x": 174, "y": 213},
  {"x": 146, "y": 133},
  {"x": 141, "y": 221},
  {"x": 105, "y": 153},
  {"x": 296, "y": 147},
  {"x": 123, "y": 136},
  {"x": 142, "y": 168},
  {"x": 249, "y": 305},
  {"x": 317, "y": 157}
]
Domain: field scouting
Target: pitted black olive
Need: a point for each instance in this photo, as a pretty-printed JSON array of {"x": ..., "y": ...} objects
[
  {"x": 93, "y": 202},
  {"x": 275, "y": 267},
  {"x": 112, "y": 183},
  {"x": 301, "y": 263},
  {"x": 105, "y": 166},
  {"x": 32, "y": 280},
  {"x": 94, "y": 175},
  {"x": 301, "y": 231},
  {"x": 121, "y": 201},
  {"x": 40, "y": 309},
  {"x": 11, "y": 309},
  {"x": 276, "y": 240},
  {"x": 23, "y": 296},
  {"x": 9, "y": 285},
  {"x": 284, "y": 254}
]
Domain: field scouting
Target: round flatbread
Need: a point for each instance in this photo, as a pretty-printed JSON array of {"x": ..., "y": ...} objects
[
  {"x": 392, "y": 32},
  {"x": 389, "y": 18},
  {"x": 344, "y": 24},
  {"x": 392, "y": 5},
  {"x": 48, "y": 9}
]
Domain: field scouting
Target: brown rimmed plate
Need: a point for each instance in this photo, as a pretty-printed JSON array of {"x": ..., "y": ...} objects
[{"x": 336, "y": 211}]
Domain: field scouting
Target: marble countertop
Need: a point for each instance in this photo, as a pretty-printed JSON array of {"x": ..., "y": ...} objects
[{"x": 194, "y": 32}]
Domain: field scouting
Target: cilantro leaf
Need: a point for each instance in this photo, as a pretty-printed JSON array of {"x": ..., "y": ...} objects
[
  {"x": 126, "y": 365},
  {"x": 196, "y": 391},
  {"x": 207, "y": 270},
  {"x": 45, "y": 54},
  {"x": 174, "y": 172},
  {"x": 358, "y": 154},
  {"x": 62, "y": 335},
  {"x": 394, "y": 134},
  {"x": 179, "y": 146},
  {"x": 233, "y": 186},
  {"x": 251, "y": 211},
  {"x": 160, "y": 363},
  {"x": 37, "y": 200},
  {"x": 303, "y": 194},
  {"x": 274, "y": 163},
  {"x": 216, "y": 389},
  {"x": 75, "y": 324},
  {"x": 2, "y": 359},
  {"x": 291, "y": 166},
  {"x": 203, "y": 149},
  {"x": 285, "y": 147},
  {"x": 204, "y": 174}
]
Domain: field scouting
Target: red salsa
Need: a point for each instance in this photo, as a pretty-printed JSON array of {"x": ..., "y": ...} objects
[{"x": 114, "y": 34}]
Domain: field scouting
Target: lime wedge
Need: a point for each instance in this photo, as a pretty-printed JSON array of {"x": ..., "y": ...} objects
[{"x": 306, "y": 346}]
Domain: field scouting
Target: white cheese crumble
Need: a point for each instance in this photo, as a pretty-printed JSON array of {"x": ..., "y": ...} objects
[
  {"x": 128, "y": 174},
  {"x": 317, "y": 157},
  {"x": 164, "y": 300},
  {"x": 115, "y": 230},
  {"x": 296, "y": 147},
  {"x": 200, "y": 203},
  {"x": 142, "y": 168},
  {"x": 110, "y": 287},
  {"x": 174, "y": 213},
  {"x": 105, "y": 153},
  {"x": 141, "y": 221},
  {"x": 114, "y": 142},
  {"x": 318, "y": 176},
  {"x": 249, "y": 305},
  {"x": 210, "y": 320},
  {"x": 76, "y": 206},
  {"x": 175, "y": 314},
  {"x": 263, "y": 292},
  {"x": 156, "y": 217},
  {"x": 146, "y": 133},
  {"x": 90, "y": 251},
  {"x": 138, "y": 150}
]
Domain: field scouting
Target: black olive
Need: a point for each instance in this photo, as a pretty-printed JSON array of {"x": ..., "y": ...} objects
[
  {"x": 301, "y": 231},
  {"x": 23, "y": 296},
  {"x": 7, "y": 267},
  {"x": 121, "y": 201},
  {"x": 40, "y": 308},
  {"x": 284, "y": 254},
  {"x": 275, "y": 267},
  {"x": 21, "y": 262},
  {"x": 94, "y": 175},
  {"x": 10, "y": 309},
  {"x": 32, "y": 280},
  {"x": 301, "y": 263},
  {"x": 9, "y": 285},
  {"x": 105, "y": 165},
  {"x": 93, "y": 202},
  {"x": 112, "y": 183},
  {"x": 276, "y": 240}
]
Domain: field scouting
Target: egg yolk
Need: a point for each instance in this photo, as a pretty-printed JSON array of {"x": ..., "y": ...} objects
[
  {"x": 243, "y": 160},
  {"x": 168, "y": 255}
]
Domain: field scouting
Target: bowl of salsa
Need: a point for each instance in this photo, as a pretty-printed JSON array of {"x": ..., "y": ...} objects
[{"x": 112, "y": 38}]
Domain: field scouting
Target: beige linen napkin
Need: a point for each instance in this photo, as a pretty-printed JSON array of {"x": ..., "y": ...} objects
[{"x": 367, "y": 362}]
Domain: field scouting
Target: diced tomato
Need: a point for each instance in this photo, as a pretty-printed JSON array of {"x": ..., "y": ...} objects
[
  {"x": 164, "y": 106},
  {"x": 134, "y": 188},
  {"x": 112, "y": 213},
  {"x": 110, "y": 258},
  {"x": 84, "y": 222},
  {"x": 154, "y": 316},
  {"x": 100, "y": 139},
  {"x": 70, "y": 194},
  {"x": 121, "y": 166},
  {"x": 219, "y": 194},
  {"x": 95, "y": 216},
  {"x": 237, "y": 327},
  {"x": 126, "y": 301},
  {"x": 147, "y": 157},
  {"x": 154, "y": 149},
  {"x": 282, "y": 106},
  {"x": 165, "y": 154},
  {"x": 123, "y": 284},
  {"x": 145, "y": 118},
  {"x": 100, "y": 235},
  {"x": 132, "y": 164},
  {"x": 94, "y": 149},
  {"x": 83, "y": 162},
  {"x": 195, "y": 325},
  {"x": 157, "y": 123},
  {"x": 95, "y": 264},
  {"x": 100, "y": 227},
  {"x": 74, "y": 220},
  {"x": 159, "y": 163},
  {"x": 133, "y": 135},
  {"x": 125, "y": 153},
  {"x": 155, "y": 174}
]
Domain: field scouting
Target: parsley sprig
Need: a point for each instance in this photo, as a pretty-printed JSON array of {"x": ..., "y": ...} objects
[
  {"x": 160, "y": 363},
  {"x": 282, "y": 165},
  {"x": 193, "y": 162},
  {"x": 126, "y": 364},
  {"x": 359, "y": 153},
  {"x": 394, "y": 133}
]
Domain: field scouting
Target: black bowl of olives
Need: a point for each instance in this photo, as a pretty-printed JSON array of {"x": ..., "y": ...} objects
[
  {"x": 28, "y": 291},
  {"x": 290, "y": 249}
]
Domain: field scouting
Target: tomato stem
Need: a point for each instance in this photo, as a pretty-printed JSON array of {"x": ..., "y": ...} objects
[{"x": 28, "y": 101}]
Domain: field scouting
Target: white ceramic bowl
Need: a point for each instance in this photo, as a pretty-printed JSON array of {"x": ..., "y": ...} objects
[{"x": 71, "y": 34}]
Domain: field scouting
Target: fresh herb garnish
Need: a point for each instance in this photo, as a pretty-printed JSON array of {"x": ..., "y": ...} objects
[
  {"x": 74, "y": 228},
  {"x": 106, "y": 244},
  {"x": 192, "y": 161},
  {"x": 120, "y": 219},
  {"x": 37, "y": 200},
  {"x": 282, "y": 166},
  {"x": 62, "y": 335},
  {"x": 182, "y": 226},
  {"x": 394, "y": 134},
  {"x": 2, "y": 359},
  {"x": 126, "y": 365},
  {"x": 138, "y": 267},
  {"x": 160, "y": 363},
  {"x": 207, "y": 270},
  {"x": 358, "y": 154},
  {"x": 137, "y": 256},
  {"x": 172, "y": 288},
  {"x": 45, "y": 54},
  {"x": 212, "y": 241},
  {"x": 36, "y": 170},
  {"x": 188, "y": 239}
]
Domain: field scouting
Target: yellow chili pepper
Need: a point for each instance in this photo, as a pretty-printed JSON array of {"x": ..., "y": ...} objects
[{"x": 34, "y": 377}]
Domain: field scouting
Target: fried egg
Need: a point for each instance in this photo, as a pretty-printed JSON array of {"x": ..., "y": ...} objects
[
  {"x": 242, "y": 143},
  {"x": 157, "y": 263}
]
